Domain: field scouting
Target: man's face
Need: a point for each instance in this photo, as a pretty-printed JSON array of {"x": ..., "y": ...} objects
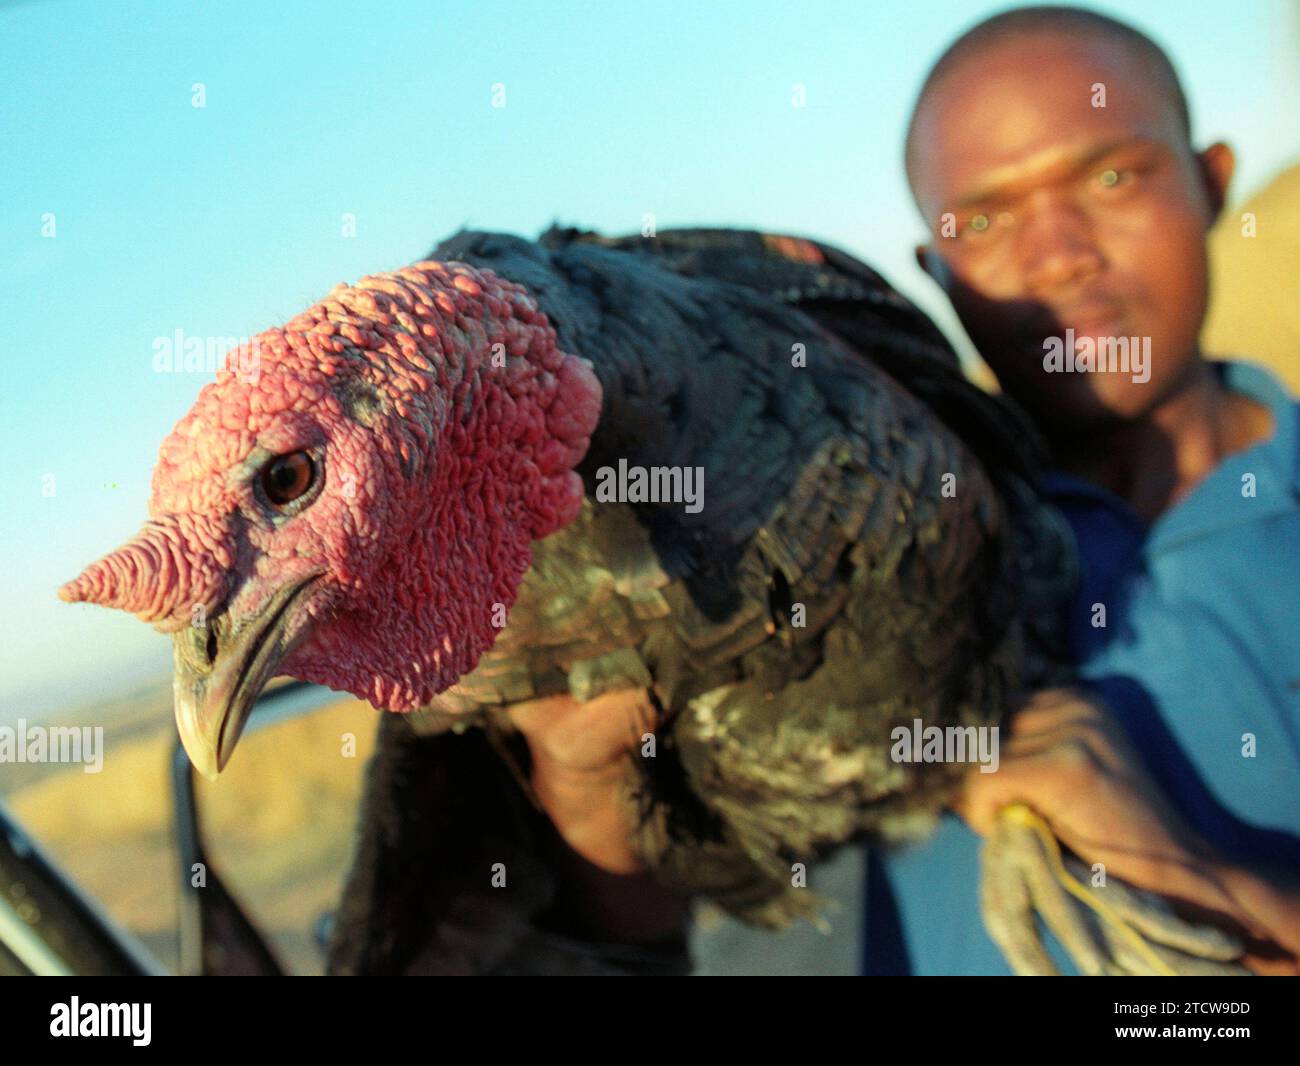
[{"x": 1062, "y": 214}]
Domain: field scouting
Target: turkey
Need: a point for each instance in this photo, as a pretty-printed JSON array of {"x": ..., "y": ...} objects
[{"x": 734, "y": 470}]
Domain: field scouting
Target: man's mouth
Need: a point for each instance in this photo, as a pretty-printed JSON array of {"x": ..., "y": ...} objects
[
  {"x": 222, "y": 667},
  {"x": 1089, "y": 320},
  {"x": 1098, "y": 328}
]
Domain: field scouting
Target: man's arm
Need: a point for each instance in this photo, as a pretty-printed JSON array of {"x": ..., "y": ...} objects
[{"x": 581, "y": 771}]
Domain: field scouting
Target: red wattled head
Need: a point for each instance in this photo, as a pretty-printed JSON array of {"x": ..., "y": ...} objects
[{"x": 352, "y": 503}]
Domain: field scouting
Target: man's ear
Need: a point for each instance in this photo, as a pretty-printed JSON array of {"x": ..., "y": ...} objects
[
  {"x": 929, "y": 260},
  {"x": 1217, "y": 165}
]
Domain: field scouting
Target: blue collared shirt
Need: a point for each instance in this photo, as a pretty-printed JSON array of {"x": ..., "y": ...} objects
[{"x": 1199, "y": 659}]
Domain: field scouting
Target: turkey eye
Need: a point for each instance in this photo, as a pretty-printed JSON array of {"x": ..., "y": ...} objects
[{"x": 286, "y": 477}]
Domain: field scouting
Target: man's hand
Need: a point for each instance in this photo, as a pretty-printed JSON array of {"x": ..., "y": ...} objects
[
  {"x": 1069, "y": 760},
  {"x": 581, "y": 766},
  {"x": 582, "y": 770}
]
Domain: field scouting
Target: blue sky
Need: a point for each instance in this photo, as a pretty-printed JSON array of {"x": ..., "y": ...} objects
[{"x": 227, "y": 219}]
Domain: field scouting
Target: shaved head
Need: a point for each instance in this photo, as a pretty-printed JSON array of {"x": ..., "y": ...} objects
[{"x": 1049, "y": 21}]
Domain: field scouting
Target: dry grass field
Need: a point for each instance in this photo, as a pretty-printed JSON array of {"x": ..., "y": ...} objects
[
  {"x": 279, "y": 824},
  {"x": 1255, "y": 309}
]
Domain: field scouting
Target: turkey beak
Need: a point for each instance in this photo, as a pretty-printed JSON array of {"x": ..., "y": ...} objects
[{"x": 220, "y": 669}]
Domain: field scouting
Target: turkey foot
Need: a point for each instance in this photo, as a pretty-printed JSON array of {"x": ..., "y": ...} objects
[{"x": 1112, "y": 929}]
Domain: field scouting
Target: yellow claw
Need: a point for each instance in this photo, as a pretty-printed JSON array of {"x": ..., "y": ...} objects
[{"x": 1023, "y": 814}]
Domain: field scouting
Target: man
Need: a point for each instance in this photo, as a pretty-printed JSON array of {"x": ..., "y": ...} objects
[{"x": 1050, "y": 153}]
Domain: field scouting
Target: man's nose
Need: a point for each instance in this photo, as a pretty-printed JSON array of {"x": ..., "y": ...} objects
[{"x": 1058, "y": 249}]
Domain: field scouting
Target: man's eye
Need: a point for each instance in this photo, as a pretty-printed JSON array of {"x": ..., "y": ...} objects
[
  {"x": 975, "y": 226},
  {"x": 987, "y": 224},
  {"x": 286, "y": 477},
  {"x": 1113, "y": 177}
]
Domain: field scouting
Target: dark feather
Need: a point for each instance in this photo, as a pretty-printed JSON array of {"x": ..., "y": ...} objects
[{"x": 823, "y": 492}]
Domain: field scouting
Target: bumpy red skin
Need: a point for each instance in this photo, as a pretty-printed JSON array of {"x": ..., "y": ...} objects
[{"x": 438, "y": 464}]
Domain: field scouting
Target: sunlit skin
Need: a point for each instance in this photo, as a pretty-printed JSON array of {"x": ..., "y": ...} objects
[{"x": 1070, "y": 215}]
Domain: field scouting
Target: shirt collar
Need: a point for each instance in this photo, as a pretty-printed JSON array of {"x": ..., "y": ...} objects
[
  {"x": 1263, "y": 385},
  {"x": 1218, "y": 501}
]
